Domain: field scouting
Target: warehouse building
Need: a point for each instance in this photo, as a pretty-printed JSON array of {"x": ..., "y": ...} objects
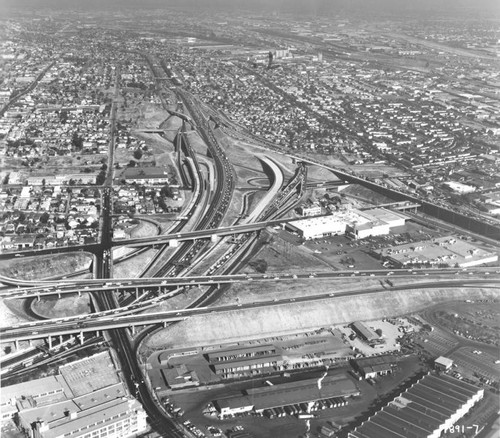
[
  {"x": 286, "y": 394},
  {"x": 354, "y": 223},
  {"x": 364, "y": 332},
  {"x": 371, "y": 367},
  {"x": 248, "y": 361},
  {"x": 427, "y": 409},
  {"x": 446, "y": 250}
]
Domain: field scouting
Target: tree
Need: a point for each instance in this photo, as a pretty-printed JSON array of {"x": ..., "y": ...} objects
[
  {"x": 166, "y": 191},
  {"x": 44, "y": 217},
  {"x": 101, "y": 177},
  {"x": 259, "y": 265},
  {"x": 138, "y": 154}
]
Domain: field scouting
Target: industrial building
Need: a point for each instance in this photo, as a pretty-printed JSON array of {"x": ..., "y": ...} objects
[
  {"x": 366, "y": 333},
  {"x": 236, "y": 362},
  {"x": 310, "y": 210},
  {"x": 286, "y": 394},
  {"x": 87, "y": 399},
  {"x": 443, "y": 363},
  {"x": 354, "y": 223},
  {"x": 428, "y": 408},
  {"x": 447, "y": 250},
  {"x": 371, "y": 367},
  {"x": 179, "y": 376}
]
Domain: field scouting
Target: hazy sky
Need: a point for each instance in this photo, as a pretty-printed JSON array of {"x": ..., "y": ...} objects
[{"x": 308, "y": 7}]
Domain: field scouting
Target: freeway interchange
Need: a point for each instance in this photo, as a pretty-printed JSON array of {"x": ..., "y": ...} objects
[
  {"x": 190, "y": 240},
  {"x": 74, "y": 286},
  {"x": 129, "y": 317}
]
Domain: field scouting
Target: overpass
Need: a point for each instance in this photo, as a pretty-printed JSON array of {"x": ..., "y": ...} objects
[
  {"x": 205, "y": 233},
  {"x": 109, "y": 320},
  {"x": 74, "y": 286}
]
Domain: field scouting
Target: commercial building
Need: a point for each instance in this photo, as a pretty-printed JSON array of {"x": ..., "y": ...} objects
[
  {"x": 97, "y": 414},
  {"x": 39, "y": 391},
  {"x": 286, "y": 394},
  {"x": 87, "y": 399},
  {"x": 431, "y": 406},
  {"x": 354, "y": 223},
  {"x": 144, "y": 175},
  {"x": 447, "y": 250}
]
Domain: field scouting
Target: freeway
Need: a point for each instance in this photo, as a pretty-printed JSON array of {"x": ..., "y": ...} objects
[
  {"x": 98, "y": 321},
  {"x": 205, "y": 233},
  {"x": 130, "y": 284}
]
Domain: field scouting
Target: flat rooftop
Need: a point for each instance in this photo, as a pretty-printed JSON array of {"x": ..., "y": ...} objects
[
  {"x": 448, "y": 249},
  {"x": 301, "y": 391},
  {"x": 90, "y": 374},
  {"x": 420, "y": 410}
]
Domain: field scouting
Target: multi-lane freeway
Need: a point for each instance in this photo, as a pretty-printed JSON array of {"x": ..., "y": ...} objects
[
  {"x": 112, "y": 319},
  {"x": 74, "y": 286}
]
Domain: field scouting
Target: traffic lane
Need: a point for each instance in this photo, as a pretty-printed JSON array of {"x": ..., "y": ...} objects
[{"x": 99, "y": 322}]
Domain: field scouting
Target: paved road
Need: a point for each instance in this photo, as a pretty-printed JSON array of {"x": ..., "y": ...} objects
[{"x": 110, "y": 320}]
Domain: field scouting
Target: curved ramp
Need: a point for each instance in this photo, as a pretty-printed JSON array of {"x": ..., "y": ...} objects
[{"x": 271, "y": 193}]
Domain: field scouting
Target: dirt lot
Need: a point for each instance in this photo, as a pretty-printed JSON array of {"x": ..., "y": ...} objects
[{"x": 476, "y": 321}]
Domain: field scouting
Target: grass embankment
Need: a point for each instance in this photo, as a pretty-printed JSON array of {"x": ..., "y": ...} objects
[
  {"x": 299, "y": 317},
  {"x": 40, "y": 267}
]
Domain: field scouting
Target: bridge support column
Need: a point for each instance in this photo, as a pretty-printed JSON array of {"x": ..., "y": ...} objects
[
  {"x": 79, "y": 293},
  {"x": 16, "y": 345},
  {"x": 38, "y": 298},
  {"x": 30, "y": 342},
  {"x": 132, "y": 329},
  {"x": 81, "y": 337},
  {"x": 164, "y": 324},
  {"x": 50, "y": 342},
  {"x": 60, "y": 340},
  {"x": 136, "y": 293}
]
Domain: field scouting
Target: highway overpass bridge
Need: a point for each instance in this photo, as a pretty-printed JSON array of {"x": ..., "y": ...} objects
[
  {"x": 74, "y": 286},
  {"x": 112, "y": 319}
]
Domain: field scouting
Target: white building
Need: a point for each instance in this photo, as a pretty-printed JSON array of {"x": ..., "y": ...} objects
[
  {"x": 459, "y": 187},
  {"x": 355, "y": 223}
]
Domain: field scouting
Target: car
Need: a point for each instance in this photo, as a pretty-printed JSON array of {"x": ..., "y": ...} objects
[{"x": 19, "y": 255}]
